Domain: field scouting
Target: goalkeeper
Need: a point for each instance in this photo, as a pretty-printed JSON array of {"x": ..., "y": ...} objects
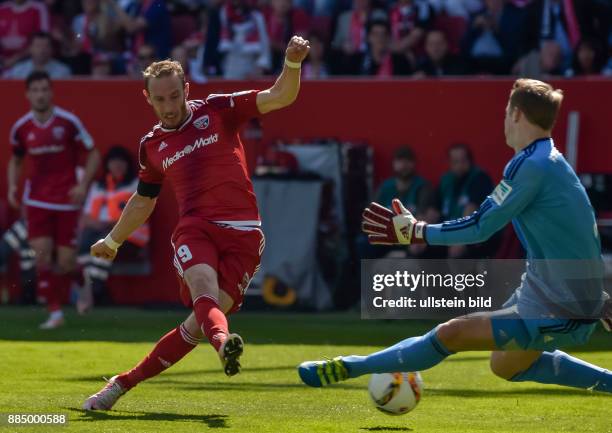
[{"x": 561, "y": 297}]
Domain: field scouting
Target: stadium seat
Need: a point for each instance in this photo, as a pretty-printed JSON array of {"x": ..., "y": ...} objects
[
  {"x": 182, "y": 27},
  {"x": 454, "y": 28}
]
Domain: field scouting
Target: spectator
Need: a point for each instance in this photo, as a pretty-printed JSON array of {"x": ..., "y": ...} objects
[
  {"x": 438, "y": 61},
  {"x": 564, "y": 21},
  {"x": 542, "y": 63},
  {"x": 318, "y": 8},
  {"x": 191, "y": 65},
  {"x": 101, "y": 66},
  {"x": 41, "y": 59},
  {"x": 350, "y": 38},
  {"x": 588, "y": 59},
  {"x": 314, "y": 67},
  {"x": 492, "y": 43},
  {"x": 243, "y": 41},
  {"x": 457, "y": 8},
  {"x": 461, "y": 191},
  {"x": 410, "y": 19},
  {"x": 148, "y": 22},
  {"x": 413, "y": 190},
  {"x": 19, "y": 21},
  {"x": 104, "y": 204},
  {"x": 379, "y": 60},
  {"x": 144, "y": 57},
  {"x": 283, "y": 21},
  {"x": 97, "y": 29},
  {"x": 607, "y": 69}
]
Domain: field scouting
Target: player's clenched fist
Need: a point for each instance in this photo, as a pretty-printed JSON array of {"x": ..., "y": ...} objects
[
  {"x": 102, "y": 250},
  {"x": 386, "y": 227},
  {"x": 297, "y": 49}
]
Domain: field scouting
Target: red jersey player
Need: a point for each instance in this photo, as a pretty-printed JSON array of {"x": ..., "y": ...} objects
[
  {"x": 51, "y": 139},
  {"x": 217, "y": 242}
]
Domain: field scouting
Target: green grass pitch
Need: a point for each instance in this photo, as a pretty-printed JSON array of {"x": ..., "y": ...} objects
[{"x": 51, "y": 372}]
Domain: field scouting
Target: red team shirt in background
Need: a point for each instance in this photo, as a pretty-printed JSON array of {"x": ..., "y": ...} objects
[
  {"x": 18, "y": 23},
  {"x": 205, "y": 163},
  {"x": 52, "y": 151}
]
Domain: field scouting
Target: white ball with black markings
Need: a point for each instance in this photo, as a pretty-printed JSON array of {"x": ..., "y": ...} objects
[{"x": 396, "y": 393}]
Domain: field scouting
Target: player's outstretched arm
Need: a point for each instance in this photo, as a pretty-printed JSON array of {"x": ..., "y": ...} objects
[
  {"x": 513, "y": 194},
  {"x": 287, "y": 86},
  {"x": 136, "y": 212}
]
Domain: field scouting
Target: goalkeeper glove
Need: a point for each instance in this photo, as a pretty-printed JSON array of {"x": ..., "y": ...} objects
[{"x": 385, "y": 227}]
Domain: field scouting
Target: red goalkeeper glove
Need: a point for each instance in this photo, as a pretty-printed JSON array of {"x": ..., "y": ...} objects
[{"x": 385, "y": 227}]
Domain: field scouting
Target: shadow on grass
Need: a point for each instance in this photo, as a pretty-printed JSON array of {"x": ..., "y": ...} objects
[
  {"x": 248, "y": 387},
  {"x": 212, "y": 421},
  {"x": 169, "y": 374},
  {"x": 383, "y": 428},
  {"x": 501, "y": 393},
  {"x": 137, "y": 325}
]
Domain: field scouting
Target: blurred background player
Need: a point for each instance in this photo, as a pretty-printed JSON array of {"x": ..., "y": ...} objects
[
  {"x": 412, "y": 189},
  {"x": 51, "y": 140},
  {"x": 561, "y": 297},
  {"x": 106, "y": 199},
  {"x": 218, "y": 241},
  {"x": 460, "y": 191}
]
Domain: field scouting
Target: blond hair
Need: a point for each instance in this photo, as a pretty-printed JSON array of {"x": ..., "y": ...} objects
[
  {"x": 538, "y": 101},
  {"x": 163, "y": 68}
]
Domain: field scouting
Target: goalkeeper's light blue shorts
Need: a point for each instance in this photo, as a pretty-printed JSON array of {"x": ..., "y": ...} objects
[{"x": 513, "y": 332}]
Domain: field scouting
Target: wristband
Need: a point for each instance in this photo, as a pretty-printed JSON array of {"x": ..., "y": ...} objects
[
  {"x": 111, "y": 243},
  {"x": 292, "y": 65}
]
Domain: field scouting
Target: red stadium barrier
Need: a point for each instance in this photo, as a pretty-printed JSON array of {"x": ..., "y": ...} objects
[{"x": 429, "y": 115}]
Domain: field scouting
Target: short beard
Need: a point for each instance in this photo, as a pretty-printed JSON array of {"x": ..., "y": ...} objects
[
  {"x": 41, "y": 109},
  {"x": 406, "y": 177}
]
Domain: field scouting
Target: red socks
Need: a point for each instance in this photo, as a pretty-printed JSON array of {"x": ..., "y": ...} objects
[
  {"x": 168, "y": 351},
  {"x": 54, "y": 288},
  {"x": 211, "y": 319}
]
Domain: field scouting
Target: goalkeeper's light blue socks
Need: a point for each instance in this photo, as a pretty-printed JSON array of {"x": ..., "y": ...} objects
[
  {"x": 559, "y": 368},
  {"x": 412, "y": 354}
]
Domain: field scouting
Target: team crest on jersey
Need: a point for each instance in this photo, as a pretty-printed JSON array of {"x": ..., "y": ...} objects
[
  {"x": 201, "y": 122},
  {"x": 31, "y": 136},
  {"x": 162, "y": 146},
  {"x": 58, "y": 132}
]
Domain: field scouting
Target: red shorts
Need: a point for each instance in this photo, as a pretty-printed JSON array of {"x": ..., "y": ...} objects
[
  {"x": 234, "y": 253},
  {"x": 59, "y": 225}
]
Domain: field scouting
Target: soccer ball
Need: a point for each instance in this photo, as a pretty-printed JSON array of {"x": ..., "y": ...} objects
[{"x": 396, "y": 393}]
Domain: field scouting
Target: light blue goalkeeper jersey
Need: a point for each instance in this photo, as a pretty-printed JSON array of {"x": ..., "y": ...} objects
[{"x": 553, "y": 217}]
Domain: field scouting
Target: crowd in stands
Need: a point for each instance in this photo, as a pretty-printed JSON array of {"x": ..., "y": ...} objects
[{"x": 239, "y": 39}]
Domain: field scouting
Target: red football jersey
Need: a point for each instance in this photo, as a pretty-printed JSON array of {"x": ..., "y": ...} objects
[
  {"x": 52, "y": 150},
  {"x": 18, "y": 23},
  {"x": 204, "y": 160}
]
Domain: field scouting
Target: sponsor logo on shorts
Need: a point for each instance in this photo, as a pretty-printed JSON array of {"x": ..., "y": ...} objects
[{"x": 198, "y": 144}]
